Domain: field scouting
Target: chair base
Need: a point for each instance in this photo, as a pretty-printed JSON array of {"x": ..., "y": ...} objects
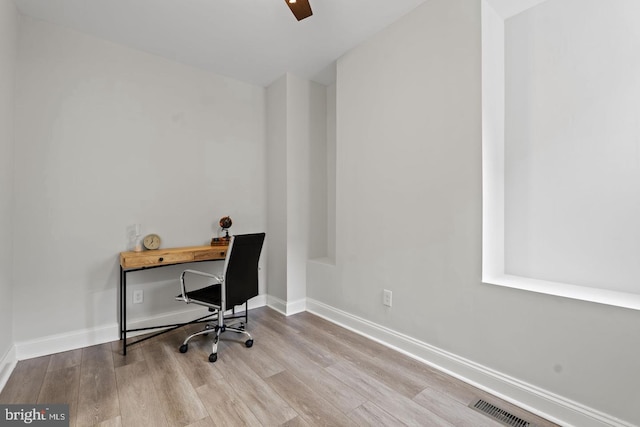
[{"x": 218, "y": 330}]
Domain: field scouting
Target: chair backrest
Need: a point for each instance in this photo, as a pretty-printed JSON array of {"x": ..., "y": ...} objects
[{"x": 241, "y": 268}]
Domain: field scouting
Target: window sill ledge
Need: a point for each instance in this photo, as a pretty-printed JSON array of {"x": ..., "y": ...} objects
[{"x": 583, "y": 293}]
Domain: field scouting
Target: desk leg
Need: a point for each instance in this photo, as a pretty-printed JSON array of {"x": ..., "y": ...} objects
[
  {"x": 120, "y": 323},
  {"x": 123, "y": 310}
]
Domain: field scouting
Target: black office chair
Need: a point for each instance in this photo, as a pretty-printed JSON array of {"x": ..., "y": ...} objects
[{"x": 237, "y": 284}]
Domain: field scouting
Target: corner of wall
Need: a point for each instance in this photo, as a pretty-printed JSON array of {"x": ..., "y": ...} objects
[
  {"x": 7, "y": 365},
  {"x": 9, "y": 23}
]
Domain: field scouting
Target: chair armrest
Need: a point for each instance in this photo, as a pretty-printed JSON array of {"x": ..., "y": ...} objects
[{"x": 183, "y": 288}]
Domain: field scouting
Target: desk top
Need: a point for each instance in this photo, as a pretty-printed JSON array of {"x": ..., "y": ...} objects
[{"x": 170, "y": 256}]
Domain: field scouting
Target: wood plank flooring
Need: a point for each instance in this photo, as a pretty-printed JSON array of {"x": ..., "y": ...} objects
[{"x": 301, "y": 371}]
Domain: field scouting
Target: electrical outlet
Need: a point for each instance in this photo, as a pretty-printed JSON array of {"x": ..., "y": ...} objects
[
  {"x": 386, "y": 297},
  {"x": 138, "y": 296}
]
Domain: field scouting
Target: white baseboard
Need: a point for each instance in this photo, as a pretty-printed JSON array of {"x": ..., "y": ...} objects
[
  {"x": 277, "y": 304},
  {"x": 286, "y": 308},
  {"x": 259, "y": 301},
  {"x": 186, "y": 315},
  {"x": 296, "y": 306},
  {"x": 529, "y": 397},
  {"x": 66, "y": 341},
  {"x": 7, "y": 365},
  {"x": 93, "y": 336}
]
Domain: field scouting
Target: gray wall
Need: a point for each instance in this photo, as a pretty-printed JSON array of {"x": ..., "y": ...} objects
[
  {"x": 408, "y": 217},
  {"x": 277, "y": 188},
  {"x": 297, "y": 186},
  {"x": 107, "y": 136},
  {"x": 8, "y": 47}
]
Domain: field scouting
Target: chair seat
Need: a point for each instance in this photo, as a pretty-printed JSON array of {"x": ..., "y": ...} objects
[{"x": 209, "y": 295}]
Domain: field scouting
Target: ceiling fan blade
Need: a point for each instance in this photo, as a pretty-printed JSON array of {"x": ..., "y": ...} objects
[{"x": 301, "y": 8}]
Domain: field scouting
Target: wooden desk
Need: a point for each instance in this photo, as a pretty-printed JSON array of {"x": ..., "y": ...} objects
[
  {"x": 135, "y": 261},
  {"x": 171, "y": 256}
]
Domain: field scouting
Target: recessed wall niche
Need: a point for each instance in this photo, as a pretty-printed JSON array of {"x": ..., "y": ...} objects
[{"x": 561, "y": 148}]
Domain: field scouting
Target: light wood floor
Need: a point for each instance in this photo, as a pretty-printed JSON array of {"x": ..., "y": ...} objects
[{"x": 302, "y": 370}]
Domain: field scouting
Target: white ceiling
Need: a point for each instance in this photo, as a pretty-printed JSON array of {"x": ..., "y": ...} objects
[{"x": 256, "y": 41}]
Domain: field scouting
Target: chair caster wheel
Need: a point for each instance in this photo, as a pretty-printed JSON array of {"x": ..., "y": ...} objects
[
  {"x": 248, "y": 343},
  {"x": 184, "y": 348},
  {"x": 213, "y": 357}
]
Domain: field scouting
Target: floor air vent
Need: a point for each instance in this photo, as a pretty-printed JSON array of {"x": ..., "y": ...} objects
[{"x": 499, "y": 414}]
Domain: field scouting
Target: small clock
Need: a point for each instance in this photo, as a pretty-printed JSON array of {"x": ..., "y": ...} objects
[{"x": 151, "y": 241}]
